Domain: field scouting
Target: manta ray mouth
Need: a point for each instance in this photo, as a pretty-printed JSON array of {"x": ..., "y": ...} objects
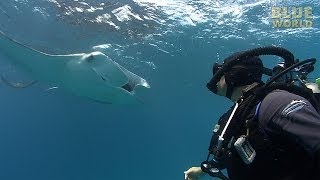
[{"x": 127, "y": 87}]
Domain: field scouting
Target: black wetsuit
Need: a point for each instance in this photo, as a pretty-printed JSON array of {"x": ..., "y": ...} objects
[{"x": 286, "y": 140}]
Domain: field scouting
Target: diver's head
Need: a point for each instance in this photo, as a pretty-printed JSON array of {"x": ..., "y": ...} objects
[{"x": 231, "y": 76}]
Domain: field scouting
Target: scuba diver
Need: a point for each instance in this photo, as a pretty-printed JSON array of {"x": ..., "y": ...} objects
[{"x": 272, "y": 132}]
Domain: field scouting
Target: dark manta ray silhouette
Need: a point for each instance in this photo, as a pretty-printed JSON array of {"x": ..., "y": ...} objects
[
  {"x": 16, "y": 84},
  {"x": 93, "y": 75}
]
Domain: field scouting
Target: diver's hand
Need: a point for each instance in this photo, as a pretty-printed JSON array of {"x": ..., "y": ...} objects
[{"x": 194, "y": 173}]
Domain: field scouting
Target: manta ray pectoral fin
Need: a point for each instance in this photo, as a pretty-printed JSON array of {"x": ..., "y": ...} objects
[
  {"x": 107, "y": 69},
  {"x": 113, "y": 73},
  {"x": 17, "y": 84},
  {"x": 133, "y": 80}
]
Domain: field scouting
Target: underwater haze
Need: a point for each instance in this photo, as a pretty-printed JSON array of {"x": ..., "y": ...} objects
[{"x": 55, "y": 135}]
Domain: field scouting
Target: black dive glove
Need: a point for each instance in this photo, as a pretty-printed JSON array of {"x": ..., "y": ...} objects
[{"x": 213, "y": 169}]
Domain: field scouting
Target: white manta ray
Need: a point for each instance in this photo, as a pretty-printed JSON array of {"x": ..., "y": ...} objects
[{"x": 92, "y": 75}]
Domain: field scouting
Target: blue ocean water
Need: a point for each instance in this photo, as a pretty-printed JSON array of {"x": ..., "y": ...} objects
[{"x": 55, "y": 135}]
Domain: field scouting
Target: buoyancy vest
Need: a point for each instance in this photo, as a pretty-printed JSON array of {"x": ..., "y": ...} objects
[{"x": 277, "y": 157}]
